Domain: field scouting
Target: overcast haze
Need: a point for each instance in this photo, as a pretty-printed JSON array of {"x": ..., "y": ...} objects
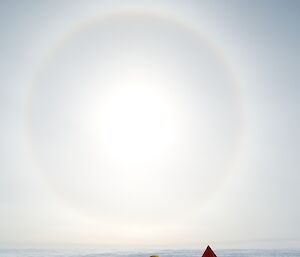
[{"x": 149, "y": 124}]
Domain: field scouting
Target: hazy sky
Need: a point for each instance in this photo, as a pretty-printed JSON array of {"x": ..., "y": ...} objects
[{"x": 149, "y": 124}]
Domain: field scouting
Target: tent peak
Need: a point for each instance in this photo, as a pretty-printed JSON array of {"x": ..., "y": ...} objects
[{"x": 209, "y": 252}]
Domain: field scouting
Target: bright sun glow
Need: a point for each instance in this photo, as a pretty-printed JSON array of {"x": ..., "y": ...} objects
[{"x": 137, "y": 122}]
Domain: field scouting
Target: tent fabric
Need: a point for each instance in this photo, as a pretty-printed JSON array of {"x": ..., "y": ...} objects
[{"x": 209, "y": 252}]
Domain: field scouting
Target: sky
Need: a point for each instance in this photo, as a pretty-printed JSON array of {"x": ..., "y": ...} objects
[{"x": 136, "y": 124}]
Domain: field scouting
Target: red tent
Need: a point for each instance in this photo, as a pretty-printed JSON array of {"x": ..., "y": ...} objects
[{"x": 209, "y": 252}]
